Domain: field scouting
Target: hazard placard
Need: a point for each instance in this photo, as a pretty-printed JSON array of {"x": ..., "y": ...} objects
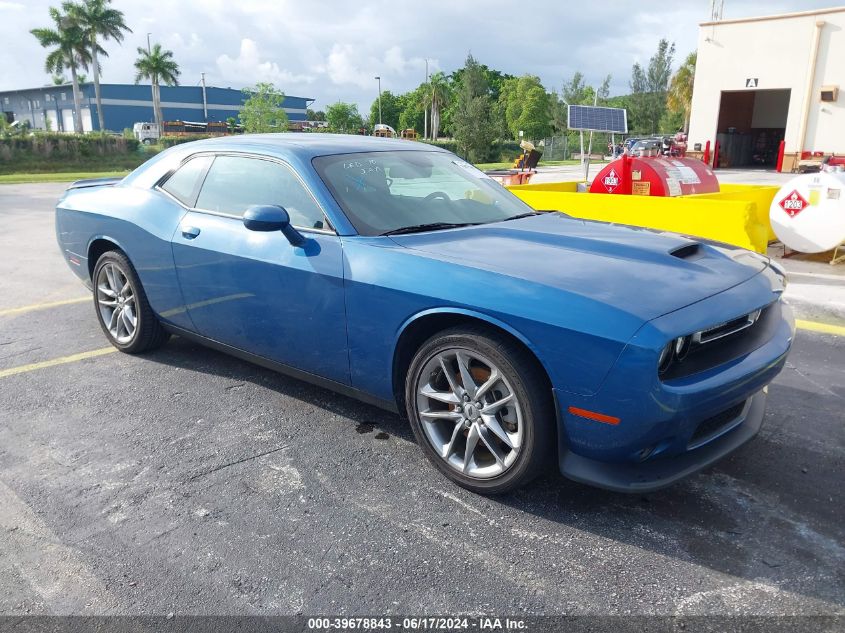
[
  {"x": 611, "y": 181},
  {"x": 794, "y": 203}
]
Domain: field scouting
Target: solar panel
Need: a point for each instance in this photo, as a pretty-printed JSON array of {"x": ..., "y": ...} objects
[{"x": 597, "y": 119}]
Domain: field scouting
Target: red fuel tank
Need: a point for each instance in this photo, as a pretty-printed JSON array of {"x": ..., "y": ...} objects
[{"x": 655, "y": 176}]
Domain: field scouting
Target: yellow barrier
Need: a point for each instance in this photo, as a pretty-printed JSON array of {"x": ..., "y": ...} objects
[
  {"x": 734, "y": 216},
  {"x": 761, "y": 195}
]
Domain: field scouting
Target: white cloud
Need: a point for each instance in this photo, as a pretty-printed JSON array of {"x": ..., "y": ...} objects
[
  {"x": 249, "y": 68},
  {"x": 347, "y": 64},
  {"x": 333, "y": 53}
]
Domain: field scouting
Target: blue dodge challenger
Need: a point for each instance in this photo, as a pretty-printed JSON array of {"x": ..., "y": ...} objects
[{"x": 397, "y": 273}]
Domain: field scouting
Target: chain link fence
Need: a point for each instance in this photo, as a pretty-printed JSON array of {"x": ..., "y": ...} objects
[{"x": 568, "y": 146}]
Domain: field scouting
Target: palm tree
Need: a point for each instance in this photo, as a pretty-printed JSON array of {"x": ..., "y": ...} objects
[
  {"x": 70, "y": 52},
  {"x": 679, "y": 97},
  {"x": 97, "y": 20},
  {"x": 157, "y": 65},
  {"x": 438, "y": 90}
]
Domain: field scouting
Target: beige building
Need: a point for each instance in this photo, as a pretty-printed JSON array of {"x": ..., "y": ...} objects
[{"x": 762, "y": 80}]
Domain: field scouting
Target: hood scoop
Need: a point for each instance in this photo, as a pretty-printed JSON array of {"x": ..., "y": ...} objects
[{"x": 687, "y": 251}]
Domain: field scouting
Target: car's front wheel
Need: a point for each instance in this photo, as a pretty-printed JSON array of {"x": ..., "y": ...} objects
[
  {"x": 480, "y": 408},
  {"x": 122, "y": 308}
]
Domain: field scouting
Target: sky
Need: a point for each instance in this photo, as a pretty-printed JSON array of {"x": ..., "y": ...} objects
[{"x": 331, "y": 50}]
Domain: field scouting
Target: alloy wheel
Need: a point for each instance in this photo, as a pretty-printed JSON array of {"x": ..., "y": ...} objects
[
  {"x": 116, "y": 303},
  {"x": 469, "y": 413}
]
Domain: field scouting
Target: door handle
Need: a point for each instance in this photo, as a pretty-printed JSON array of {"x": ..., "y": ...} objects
[{"x": 189, "y": 232}]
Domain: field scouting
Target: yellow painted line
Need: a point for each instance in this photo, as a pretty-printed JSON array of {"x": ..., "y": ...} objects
[
  {"x": 62, "y": 360},
  {"x": 43, "y": 306},
  {"x": 823, "y": 328}
]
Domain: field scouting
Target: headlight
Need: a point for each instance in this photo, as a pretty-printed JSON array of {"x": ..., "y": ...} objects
[
  {"x": 675, "y": 350},
  {"x": 780, "y": 271},
  {"x": 665, "y": 357},
  {"x": 682, "y": 345}
]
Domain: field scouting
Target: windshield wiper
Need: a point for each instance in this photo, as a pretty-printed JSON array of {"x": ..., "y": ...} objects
[
  {"x": 524, "y": 215},
  {"x": 431, "y": 226}
]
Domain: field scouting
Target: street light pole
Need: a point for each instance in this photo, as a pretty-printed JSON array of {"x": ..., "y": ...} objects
[{"x": 379, "y": 98}]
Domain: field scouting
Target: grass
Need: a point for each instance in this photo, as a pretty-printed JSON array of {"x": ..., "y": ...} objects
[
  {"x": 543, "y": 163},
  {"x": 70, "y": 176}
]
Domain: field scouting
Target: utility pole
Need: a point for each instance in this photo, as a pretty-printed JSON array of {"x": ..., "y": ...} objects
[
  {"x": 154, "y": 88},
  {"x": 204, "y": 99},
  {"x": 717, "y": 8},
  {"x": 590, "y": 149},
  {"x": 378, "y": 78}
]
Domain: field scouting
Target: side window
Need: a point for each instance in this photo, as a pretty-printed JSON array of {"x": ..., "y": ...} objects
[
  {"x": 185, "y": 182},
  {"x": 235, "y": 183}
]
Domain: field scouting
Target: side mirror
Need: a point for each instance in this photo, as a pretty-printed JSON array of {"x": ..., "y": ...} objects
[{"x": 268, "y": 218}]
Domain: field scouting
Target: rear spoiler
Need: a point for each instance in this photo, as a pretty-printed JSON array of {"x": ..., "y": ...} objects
[{"x": 94, "y": 182}]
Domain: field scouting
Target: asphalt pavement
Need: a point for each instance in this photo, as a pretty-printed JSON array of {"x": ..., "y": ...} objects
[{"x": 188, "y": 482}]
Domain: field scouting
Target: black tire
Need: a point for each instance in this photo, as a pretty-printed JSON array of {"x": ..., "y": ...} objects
[
  {"x": 148, "y": 333},
  {"x": 528, "y": 383}
]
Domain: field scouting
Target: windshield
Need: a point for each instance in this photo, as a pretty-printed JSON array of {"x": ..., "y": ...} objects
[{"x": 384, "y": 192}]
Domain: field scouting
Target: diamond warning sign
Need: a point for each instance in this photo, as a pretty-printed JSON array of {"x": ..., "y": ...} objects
[
  {"x": 611, "y": 181},
  {"x": 794, "y": 203}
]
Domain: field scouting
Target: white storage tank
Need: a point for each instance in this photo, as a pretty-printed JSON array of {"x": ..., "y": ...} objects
[{"x": 808, "y": 213}]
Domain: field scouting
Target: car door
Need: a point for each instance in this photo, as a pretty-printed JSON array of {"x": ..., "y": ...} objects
[{"x": 253, "y": 290}]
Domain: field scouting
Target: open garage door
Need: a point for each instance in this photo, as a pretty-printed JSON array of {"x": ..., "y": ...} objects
[{"x": 751, "y": 126}]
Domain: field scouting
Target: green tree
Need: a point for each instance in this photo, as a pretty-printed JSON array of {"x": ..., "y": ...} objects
[
  {"x": 603, "y": 91},
  {"x": 525, "y": 104},
  {"x": 69, "y": 51},
  {"x": 263, "y": 109},
  {"x": 679, "y": 97},
  {"x": 344, "y": 118},
  {"x": 577, "y": 92},
  {"x": 315, "y": 115},
  {"x": 649, "y": 88},
  {"x": 438, "y": 96},
  {"x": 98, "y": 20},
  {"x": 390, "y": 109},
  {"x": 472, "y": 123},
  {"x": 495, "y": 80},
  {"x": 158, "y": 66},
  {"x": 411, "y": 104}
]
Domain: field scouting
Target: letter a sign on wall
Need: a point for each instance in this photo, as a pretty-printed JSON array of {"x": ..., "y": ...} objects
[{"x": 751, "y": 82}]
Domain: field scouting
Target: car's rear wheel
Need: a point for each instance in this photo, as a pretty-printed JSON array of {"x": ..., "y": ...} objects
[
  {"x": 480, "y": 407},
  {"x": 122, "y": 308}
]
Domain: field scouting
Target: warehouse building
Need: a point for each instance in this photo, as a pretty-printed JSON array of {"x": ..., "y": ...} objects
[
  {"x": 51, "y": 107},
  {"x": 762, "y": 80}
]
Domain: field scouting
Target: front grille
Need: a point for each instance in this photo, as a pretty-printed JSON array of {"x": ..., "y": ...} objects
[
  {"x": 713, "y": 426},
  {"x": 726, "y": 329}
]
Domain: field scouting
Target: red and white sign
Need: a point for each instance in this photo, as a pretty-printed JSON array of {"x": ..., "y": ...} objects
[
  {"x": 611, "y": 181},
  {"x": 793, "y": 204}
]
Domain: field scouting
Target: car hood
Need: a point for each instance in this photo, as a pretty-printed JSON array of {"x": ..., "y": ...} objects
[{"x": 640, "y": 271}]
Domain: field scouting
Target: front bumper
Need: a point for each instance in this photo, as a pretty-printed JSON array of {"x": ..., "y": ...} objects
[
  {"x": 668, "y": 429},
  {"x": 652, "y": 475}
]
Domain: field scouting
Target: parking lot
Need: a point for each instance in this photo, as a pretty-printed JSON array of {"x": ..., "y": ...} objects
[{"x": 185, "y": 481}]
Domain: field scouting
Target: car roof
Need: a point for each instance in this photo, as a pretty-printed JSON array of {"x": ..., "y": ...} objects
[{"x": 309, "y": 144}]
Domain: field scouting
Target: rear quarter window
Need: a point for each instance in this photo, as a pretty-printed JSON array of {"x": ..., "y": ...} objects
[{"x": 184, "y": 183}]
